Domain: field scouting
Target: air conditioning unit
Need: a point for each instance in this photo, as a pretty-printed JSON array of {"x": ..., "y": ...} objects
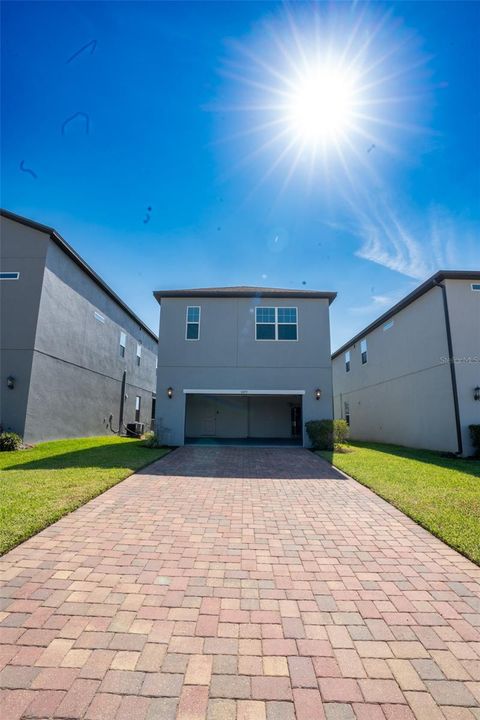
[{"x": 135, "y": 429}]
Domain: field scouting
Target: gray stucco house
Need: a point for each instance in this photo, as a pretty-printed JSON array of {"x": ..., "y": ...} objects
[
  {"x": 412, "y": 377},
  {"x": 73, "y": 357},
  {"x": 242, "y": 364}
]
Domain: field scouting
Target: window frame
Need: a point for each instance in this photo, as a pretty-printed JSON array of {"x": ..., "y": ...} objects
[
  {"x": 364, "y": 353},
  {"x": 187, "y": 322},
  {"x": 123, "y": 345},
  {"x": 475, "y": 287},
  {"x": 348, "y": 361},
  {"x": 99, "y": 317},
  {"x": 9, "y": 275},
  {"x": 276, "y": 322},
  {"x": 346, "y": 412},
  {"x": 138, "y": 410},
  {"x": 138, "y": 355}
]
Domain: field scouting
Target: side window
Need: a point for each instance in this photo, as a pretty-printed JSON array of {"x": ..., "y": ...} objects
[
  {"x": 363, "y": 351},
  {"x": 192, "y": 331},
  {"x": 138, "y": 404},
  {"x": 139, "y": 353},
  {"x": 346, "y": 412},
  {"x": 347, "y": 361},
  {"x": 123, "y": 343}
]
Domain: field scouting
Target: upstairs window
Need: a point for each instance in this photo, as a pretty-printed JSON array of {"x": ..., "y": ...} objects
[
  {"x": 276, "y": 323},
  {"x": 192, "y": 331},
  {"x": 265, "y": 323},
  {"x": 9, "y": 275},
  {"x": 347, "y": 361},
  {"x": 99, "y": 317},
  {"x": 123, "y": 343},
  {"x": 139, "y": 353},
  {"x": 475, "y": 286},
  {"x": 363, "y": 350}
]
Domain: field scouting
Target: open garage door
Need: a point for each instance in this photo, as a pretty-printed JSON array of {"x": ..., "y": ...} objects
[{"x": 243, "y": 418}]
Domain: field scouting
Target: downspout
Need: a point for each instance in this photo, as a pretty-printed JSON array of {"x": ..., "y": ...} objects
[
  {"x": 122, "y": 406},
  {"x": 451, "y": 361}
]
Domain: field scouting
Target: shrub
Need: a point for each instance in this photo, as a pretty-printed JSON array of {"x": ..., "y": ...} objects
[
  {"x": 320, "y": 433},
  {"x": 151, "y": 441},
  {"x": 325, "y": 434},
  {"x": 341, "y": 432},
  {"x": 9, "y": 441},
  {"x": 475, "y": 435}
]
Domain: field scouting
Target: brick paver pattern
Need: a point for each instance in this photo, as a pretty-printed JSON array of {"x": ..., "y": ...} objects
[{"x": 239, "y": 584}]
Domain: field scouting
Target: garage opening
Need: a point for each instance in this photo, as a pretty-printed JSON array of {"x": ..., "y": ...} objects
[{"x": 243, "y": 419}]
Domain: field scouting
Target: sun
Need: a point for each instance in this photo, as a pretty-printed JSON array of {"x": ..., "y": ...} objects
[{"x": 321, "y": 106}]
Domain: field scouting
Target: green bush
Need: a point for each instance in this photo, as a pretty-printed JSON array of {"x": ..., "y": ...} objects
[
  {"x": 151, "y": 441},
  {"x": 341, "y": 431},
  {"x": 9, "y": 441},
  {"x": 475, "y": 435},
  {"x": 325, "y": 434},
  {"x": 320, "y": 433}
]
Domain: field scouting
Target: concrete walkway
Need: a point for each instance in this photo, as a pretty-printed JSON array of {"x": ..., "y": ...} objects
[{"x": 238, "y": 584}]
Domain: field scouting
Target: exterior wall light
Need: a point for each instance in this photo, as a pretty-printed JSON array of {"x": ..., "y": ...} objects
[
  {"x": 476, "y": 393},
  {"x": 170, "y": 393},
  {"x": 318, "y": 394},
  {"x": 10, "y": 382}
]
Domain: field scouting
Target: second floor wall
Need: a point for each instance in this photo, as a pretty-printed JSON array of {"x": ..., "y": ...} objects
[{"x": 229, "y": 336}]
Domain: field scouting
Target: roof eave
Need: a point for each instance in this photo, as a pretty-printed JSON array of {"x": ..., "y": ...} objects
[
  {"x": 430, "y": 283},
  {"x": 68, "y": 249}
]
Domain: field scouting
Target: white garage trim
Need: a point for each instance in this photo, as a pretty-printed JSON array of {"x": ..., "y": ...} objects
[{"x": 244, "y": 392}]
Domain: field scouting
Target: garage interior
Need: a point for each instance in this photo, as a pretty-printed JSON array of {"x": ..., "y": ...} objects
[{"x": 244, "y": 419}]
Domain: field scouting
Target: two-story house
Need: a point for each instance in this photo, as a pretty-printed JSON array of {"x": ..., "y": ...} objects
[
  {"x": 412, "y": 377},
  {"x": 74, "y": 359},
  {"x": 242, "y": 364}
]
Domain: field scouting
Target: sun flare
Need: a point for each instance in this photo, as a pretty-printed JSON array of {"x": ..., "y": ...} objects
[{"x": 321, "y": 107}]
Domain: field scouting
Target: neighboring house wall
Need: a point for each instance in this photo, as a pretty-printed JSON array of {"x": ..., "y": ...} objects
[
  {"x": 22, "y": 249},
  {"x": 404, "y": 395},
  {"x": 75, "y": 383},
  {"x": 227, "y": 356},
  {"x": 464, "y": 310}
]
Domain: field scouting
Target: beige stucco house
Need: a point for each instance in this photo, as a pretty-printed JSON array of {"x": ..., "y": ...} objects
[{"x": 412, "y": 377}]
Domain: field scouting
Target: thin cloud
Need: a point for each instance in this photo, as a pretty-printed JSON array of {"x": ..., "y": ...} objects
[{"x": 413, "y": 246}]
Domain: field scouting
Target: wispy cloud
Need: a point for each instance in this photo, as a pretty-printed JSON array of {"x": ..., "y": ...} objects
[{"x": 415, "y": 246}]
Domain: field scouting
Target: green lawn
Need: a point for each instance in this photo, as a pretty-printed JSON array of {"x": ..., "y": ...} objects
[
  {"x": 39, "y": 485},
  {"x": 441, "y": 494}
]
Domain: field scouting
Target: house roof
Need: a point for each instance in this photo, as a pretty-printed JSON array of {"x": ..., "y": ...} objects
[
  {"x": 68, "y": 250},
  {"x": 407, "y": 300},
  {"x": 244, "y": 291}
]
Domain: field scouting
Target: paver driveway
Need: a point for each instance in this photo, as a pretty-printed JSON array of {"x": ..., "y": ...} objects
[{"x": 240, "y": 583}]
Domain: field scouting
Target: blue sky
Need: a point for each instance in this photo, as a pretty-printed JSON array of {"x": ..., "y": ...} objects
[{"x": 185, "y": 105}]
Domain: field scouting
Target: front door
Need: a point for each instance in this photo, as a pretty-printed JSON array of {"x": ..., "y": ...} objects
[{"x": 296, "y": 418}]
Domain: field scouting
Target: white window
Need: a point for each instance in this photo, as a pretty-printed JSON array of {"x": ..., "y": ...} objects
[
  {"x": 9, "y": 275},
  {"x": 475, "y": 286},
  {"x": 99, "y": 317},
  {"x": 123, "y": 343},
  {"x": 388, "y": 325},
  {"x": 138, "y": 403},
  {"x": 363, "y": 350},
  {"x": 139, "y": 353},
  {"x": 347, "y": 361},
  {"x": 276, "y": 323},
  {"x": 192, "y": 330}
]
